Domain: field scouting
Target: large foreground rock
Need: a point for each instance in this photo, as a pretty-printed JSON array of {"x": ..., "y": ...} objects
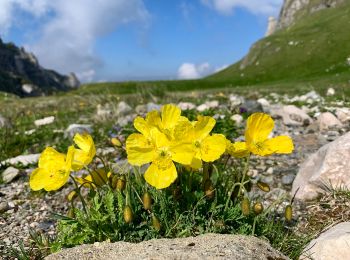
[
  {"x": 209, "y": 246},
  {"x": 332, "y": 244},
  {"x": 328, "y": 167}
]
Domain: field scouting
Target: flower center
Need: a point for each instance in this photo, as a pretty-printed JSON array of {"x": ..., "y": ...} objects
[
  {"x": 197, "y": 144},
  {"x": 259, "y": 146}
]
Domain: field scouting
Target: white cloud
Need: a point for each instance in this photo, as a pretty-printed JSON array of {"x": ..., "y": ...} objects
[
  {"x": 71, "y": 27},
  {"x": 221, "y": 68},
  {"x": 86, "y": 76},
  {"x": 192, "y": 71},
  {"x": 264, "y": 7}
]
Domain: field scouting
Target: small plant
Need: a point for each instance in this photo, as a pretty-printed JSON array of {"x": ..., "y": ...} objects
[{"x": 182, "y": 181}]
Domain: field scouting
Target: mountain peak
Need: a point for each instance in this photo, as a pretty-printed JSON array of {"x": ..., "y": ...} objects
[
  {"x": 292, "y": 10},
  {"x": 21, "y": 74}
]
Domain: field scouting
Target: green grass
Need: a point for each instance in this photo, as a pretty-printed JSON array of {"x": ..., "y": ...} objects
[{"x": 321, "y": 51}]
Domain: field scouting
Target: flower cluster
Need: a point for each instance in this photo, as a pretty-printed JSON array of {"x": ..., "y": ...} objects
[
  {"x": 166, "y": 137},
  {"x": 55, "y": 168}
]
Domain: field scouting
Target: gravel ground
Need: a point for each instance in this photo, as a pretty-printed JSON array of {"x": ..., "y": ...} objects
[{"x": 21, "y": 209}]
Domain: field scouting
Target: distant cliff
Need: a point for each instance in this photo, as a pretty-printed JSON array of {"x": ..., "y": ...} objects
[
  {"x": 21, "y": 74},
  {"x": 292, "y": 10}
]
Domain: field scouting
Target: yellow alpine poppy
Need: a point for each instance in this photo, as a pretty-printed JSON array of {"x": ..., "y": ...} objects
[
  {"x": 257, "y": 141},
  {"x": 86, "y": 152},
  {"x": 156, "y": 148},
  {"x": 207, "y": 147},
  {"x": 97, "y": 178},
  {"x": 53, "y": 171},
  {"x": 165, "y": 121}
]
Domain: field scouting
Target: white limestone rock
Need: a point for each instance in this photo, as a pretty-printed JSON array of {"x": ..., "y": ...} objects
[
  {"x": 291, "y": 115},
  {"x": 44, "y": 121},
  {"x": 327, "y": 121},
  {"x": 328, "y": 166},
  {"x": 331, "y": 244}
]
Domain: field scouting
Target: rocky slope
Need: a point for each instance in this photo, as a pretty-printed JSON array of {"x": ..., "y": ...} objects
[
  {"x": 21, "y": 74},
  {"x": 292, "y": 10}
]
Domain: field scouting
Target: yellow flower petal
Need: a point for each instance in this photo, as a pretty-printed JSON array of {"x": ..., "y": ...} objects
[
  {"x": 86, "y": 152},
  {"x": 159, "y": 139},
  {"x": 51, "y": 159},
  {"x": 170, "y": 116},
  {"x": 38, "y": 179},
  {"x": 85, "y": 143},
  {"x": 56, "y": 180},
  {"x": 238, "y": 149},
  {"x": 259, "y": 126},
  {"x": 196, "y": 163},
  {"x": 81, "y": 159},
  {"x": 160, "y": 178},
  {"x": 212, "y": 147},
  {"x": 153, "y": 118},
  {"x": 280, "y": 144},
  {"x": 182, "y": 153},
  {"x": 139, "y": 150},
  {"x": 141, "y": 125},
  {"x": 86, "y": 181},
  {"x": 183, "y": 131},
  {"x": 203, "y": 126}
]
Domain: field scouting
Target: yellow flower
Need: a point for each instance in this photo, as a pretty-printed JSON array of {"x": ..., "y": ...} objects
[
  {"x": 207, "y": 147},
  {"x": 97, "y": 178},
  {"x": 237, "y": 149},
  {"x": 156, "y": 148},
  {"x": 259, "y": 126},
  {"x": 165, "y": 121},
  {"x": 86, "y": 152},
  {"x": 53, "y": 171}
]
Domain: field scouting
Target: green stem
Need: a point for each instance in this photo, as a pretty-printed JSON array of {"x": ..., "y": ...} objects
[
  {"x": 205, "y": 174},
  {"x": 245, "y": 171},
  {"x": 79, "y": 194},
  {"x": 163, "y": 207},
  {"x": 225, "y": 165},
  {"x": 190, "y": 181},
  {"x": 240, "y": 184},
  {"x": 254, "y": 224}
]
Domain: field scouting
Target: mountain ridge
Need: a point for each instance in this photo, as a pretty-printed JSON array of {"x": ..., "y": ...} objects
[{"x": 22, "y": 75}]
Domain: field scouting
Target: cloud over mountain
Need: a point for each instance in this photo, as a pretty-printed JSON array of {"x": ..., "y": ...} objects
[{"x": 69, "y": 29}]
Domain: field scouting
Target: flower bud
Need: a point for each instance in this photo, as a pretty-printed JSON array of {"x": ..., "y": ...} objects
[
  {"x": 209, "y": 189},
  {"x": 128, "y": 215},
  {"x": 147, "y": 201},
  {"x": 121, "y": 183},
  {"x": 71, "y": 213},
  {"x": 156, "y": 223},
  {"x": 115, "y": 141},
  {"x": 288, "y": 213},
  {"x": 258, "y": 208},
  {"x": 72, "y": 195},
  {"x": 245, "y": 205},
  {"x": 114, "y": 181},
  {"x": 263, "y": 186}
]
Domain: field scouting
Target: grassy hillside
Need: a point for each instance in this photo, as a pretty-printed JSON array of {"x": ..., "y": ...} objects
[{"x": 316, "y": 46}]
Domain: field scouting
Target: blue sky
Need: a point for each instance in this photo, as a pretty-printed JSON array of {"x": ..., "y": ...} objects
[{"x": 113, "y": 40}]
